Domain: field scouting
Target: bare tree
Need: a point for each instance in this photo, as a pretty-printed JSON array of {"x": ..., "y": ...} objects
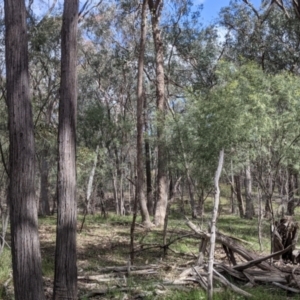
[
  {"x": 26, "y": 258},
  {"x": 65, "y": 279}
]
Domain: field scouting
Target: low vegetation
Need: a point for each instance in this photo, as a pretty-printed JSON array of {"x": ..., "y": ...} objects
[{"x": 104, "y": 251}]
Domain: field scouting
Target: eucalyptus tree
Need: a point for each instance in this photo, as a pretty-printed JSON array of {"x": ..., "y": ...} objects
[
  {"x": 140, "y": 193},
  {"x": 65, "y": 278},
  {"x": 162, "y": 189},
  {"x": 25, "y": 248},
  {"x": 264, "y": 35},
  {"x": 253, "y": 115}
]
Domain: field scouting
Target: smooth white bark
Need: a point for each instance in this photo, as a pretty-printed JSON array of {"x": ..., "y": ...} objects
[{"x": 213, "y": 227}]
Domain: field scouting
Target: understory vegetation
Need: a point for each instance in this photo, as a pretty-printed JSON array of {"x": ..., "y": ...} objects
[{"x": 104, "y": 246}]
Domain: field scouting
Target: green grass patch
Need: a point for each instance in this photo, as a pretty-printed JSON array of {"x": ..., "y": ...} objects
[{"x": 5, "y": 270}]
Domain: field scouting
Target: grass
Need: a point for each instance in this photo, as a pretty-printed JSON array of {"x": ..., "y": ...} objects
[
  {"x": 105, "y": 242},
  {"x": 5, "y": 271}
]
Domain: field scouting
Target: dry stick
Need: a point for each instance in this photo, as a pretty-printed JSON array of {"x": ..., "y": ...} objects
[
  {"x": 83, "y": 220},
  {"x": 201, "y": 279},
  {"x": 213, "y": 227},
  {"x": 224, "y": 281}
]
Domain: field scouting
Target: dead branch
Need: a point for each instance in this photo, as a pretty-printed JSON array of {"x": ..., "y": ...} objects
[
  {"x": 255, "y": 262},
  {"x": 225, "y": 282},
  {"x": 231, "y": 244},
  {"x": 286, "y": 287}
]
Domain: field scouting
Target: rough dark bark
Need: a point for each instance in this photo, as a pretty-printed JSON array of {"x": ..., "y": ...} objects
[
  {"x": 140, "y": 183},
  {"x": 162, "y": 189},
  {"x": 65, "y": 278},
  {"x": 25, "y": 245}
]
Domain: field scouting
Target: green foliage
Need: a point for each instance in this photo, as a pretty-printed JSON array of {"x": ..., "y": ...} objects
[
  {"x": 5, "y": 270},
  {"x": 271, "y": 44},
  {"x": 252, "y": 114}
]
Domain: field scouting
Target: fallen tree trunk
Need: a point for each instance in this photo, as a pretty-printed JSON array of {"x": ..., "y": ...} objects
[
  {"x": 230, "y": 243},
  {"x": 256, "y": 269}
]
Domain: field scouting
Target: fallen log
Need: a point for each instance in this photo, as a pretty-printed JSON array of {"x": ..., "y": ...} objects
[
  {"x": 293, "y": 290},
  {"x": 231, "y": 244},
  {"x": 257, "y": 261}
]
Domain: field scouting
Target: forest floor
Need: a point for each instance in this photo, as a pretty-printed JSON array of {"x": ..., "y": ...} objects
[{"x": 104, "y": 253}]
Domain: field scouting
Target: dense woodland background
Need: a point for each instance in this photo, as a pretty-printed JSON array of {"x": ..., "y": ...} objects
[{"x": 159, "y": 95}]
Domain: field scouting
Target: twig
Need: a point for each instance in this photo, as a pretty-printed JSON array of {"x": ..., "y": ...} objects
[
  {"x": 224, "y": 281},
  {"x": 201, "y": 279}
]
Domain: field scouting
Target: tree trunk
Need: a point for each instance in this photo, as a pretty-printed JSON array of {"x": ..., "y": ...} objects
[
  {"x": 162, "y": 190},
  {"x": 89, "y": 208},
  {"x": 213, "y": 227},
  {"x": 25, "y": 245},
  {"x": 65, "y": 278},
  {"x": 239, "y": 197},
  {"x": 44, "y": 207},
  {"x": 150, "y": 201},
  {"x": 140, "y": 182},
  {"x": 115, "y": 190},
  {"x": 248, "y": 192},
  {"x": 268, "y": 196},
  {"x": 121, "y": 194},
  {"x": 232, "y": 197},
  {"x": 292, "y": 183},
  {"x": 191, "y": 194},
  {"x": 201, "y": 203}
]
